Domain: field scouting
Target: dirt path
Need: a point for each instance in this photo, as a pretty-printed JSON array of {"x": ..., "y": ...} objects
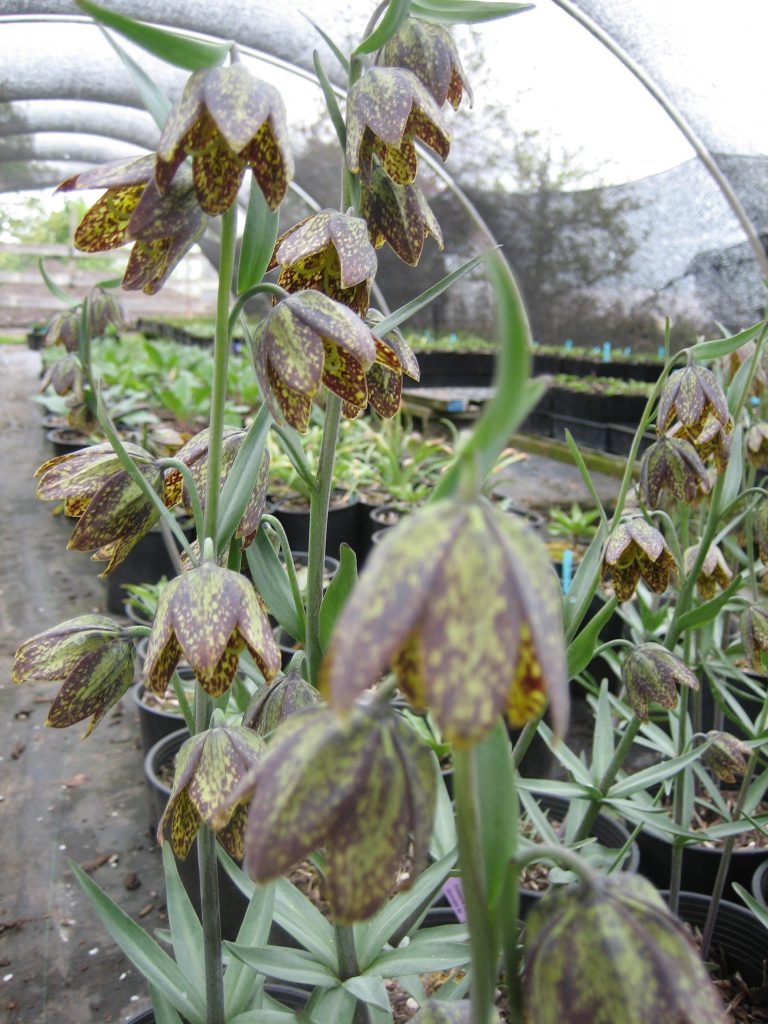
[{"x": 60, "y": 798}]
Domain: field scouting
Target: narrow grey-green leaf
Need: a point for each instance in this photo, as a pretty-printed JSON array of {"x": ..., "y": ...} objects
[
  {"x": 338, "y": 591},
  {"x": 258, "y": 242},
  {"x": 711, "y": 609},
  {"x": 182, "y": 51},
  {"x": 186, "y": 930},
  {"x": 582, "y": 648},
  {"x": 53, "y": 288},
  {"x": 295, "y": 965},
  {"x": 394, "y": 16},
  {"x": 464, "y": 12},
  {"x": 706, "y": 351},
  {"x": 330, "y": 100},
  {"x": 143, "y": 952},
  {"x": 271, "y": 581},
  {"x": 241, "y": 479},
  {"x": 162, "y": 1008},
  {"x": 154, "y": 99},
  {"x": 240, "y": 982},
  {"x": 404, "y": 313},
  {"x": 370, "y": 990}
]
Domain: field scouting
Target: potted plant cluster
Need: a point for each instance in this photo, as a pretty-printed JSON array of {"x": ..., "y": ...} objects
[{"x": 455, "y": 636}]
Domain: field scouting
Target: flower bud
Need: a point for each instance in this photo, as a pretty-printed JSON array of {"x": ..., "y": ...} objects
[
  {"x": 672, "y": 465},
  {"x": 612, "y": 952},
  {"x": 754, "y": 636},
  {"x": 756, "y": 445},
  {"x": 714, "y": 571},
  {"x": 726, "y": 756},
  {"x": 651, "y": 675},
  {"x": 273, "y": 704},
  {"x": 428, "y": 50}
]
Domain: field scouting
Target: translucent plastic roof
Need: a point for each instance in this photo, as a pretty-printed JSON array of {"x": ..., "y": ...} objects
[{"x": 663, "y": 99}]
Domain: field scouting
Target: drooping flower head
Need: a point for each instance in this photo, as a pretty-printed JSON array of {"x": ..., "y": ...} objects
[
  {"x": 756, "y": 445},
  {"x": 726, "y": 756},
  {"x": 194, "y": 454},
  {"x": 754, "y": 636},
  {"x": 305, "y": 341},
  {"x": 64, "y": 330},
  {"x": 163, "y": 228},
  {"x": 398, "y": 215},
  {"x": 714, "y": 571},
  {"x": 463, "y": 602},
  {"x": 673, "y": 465},
  {"x": 275, "y": 703},
  {"x": 613, "y": 952},
  {"x": 227, "y": 121},
  {"x": 93, "y": 659},
  {"x": 394, "y": 358},
  {"x": 331, "y": 253},
  {"x": 634, "y": 551},
  {"x": 428, "y": 50},
  {"x": 209, "y": 767},
  {"x": 362, "y": 786},
  {"x": 387, "y": 109},
  {"x": 693, "y": 407},
  {"x": 209, "y": 615},
  {"x": 113, "y": 512},
  {"x": 651, "y": 675}
]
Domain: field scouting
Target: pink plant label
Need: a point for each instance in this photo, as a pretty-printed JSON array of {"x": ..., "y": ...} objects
[{"x": 454, "y": 893}]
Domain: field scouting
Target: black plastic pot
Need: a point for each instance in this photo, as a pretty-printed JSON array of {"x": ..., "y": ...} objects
[
  {"x": 606, "y": 830},
  {"x": 586, "y": 432},
  {"x": 342, "y": 525},
  {"x": 738, "y": 935},
  {"x": 232, "y": 902},
  {"x": 155, "y": 723},
  {"x": 700, "y": 864},
  {"x": 454, "y": 369},
  {"x": 64, "y": 440}
]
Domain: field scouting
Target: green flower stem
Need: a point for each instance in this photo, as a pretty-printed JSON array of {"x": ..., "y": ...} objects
[
  {"x": 619, "y": 756},
  {"x": 194, "y": 496},
  {"x": 566, "y": 858},
  {"x": 318, "y": 528},
  {"x": 349, "y": 966},
  {"x": 220, "y": 365},
  {"x": 211, "y": 916},
  {"x": 683, "y": 603},
  {"x": 678, "y": 807},
  {"x": 265, "y": 287},
  {"x": 481, "y": 938},
  {"x": 290, "y": 568}
]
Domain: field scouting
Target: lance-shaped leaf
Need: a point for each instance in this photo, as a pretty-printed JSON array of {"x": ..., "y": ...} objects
[
  {"x": 163, "y": 227},
  {"x": 307, "y": 340},
  {"x": 194, "y": 454},
  {"x": 635, "y": 550},
  {"x": 210, "y": 767},
  {"x": 652, "y": 675},
  {"x": 428, "y": 51},
  {"x": 613, "y": 953},
  {"x": 209, "y": 614},
  {"x": 673, "y": 465},
  {"x": 329, "y": 252},
  {"x": 398, "y": 215},
  {"x": 387, "y": 109},
  {"x": 227, "y": 121},
  {"x": 91, "y": 656},
  {"x": 360, "y": 785},
  {"x": 463, "y": 601}
]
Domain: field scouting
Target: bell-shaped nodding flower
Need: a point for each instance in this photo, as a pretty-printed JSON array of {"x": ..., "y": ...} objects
[
  {"x": 674, "y": 466},
  {"x": 93, "y": 659},
  {"x": 209, "y": 615},
  {"x": 273, "y": 704},
  {"x": 754, "y": 636},
  {"x": 114, "y": 512},
  {"x": 611, "y": 953},
  {"x": 210, "y": 766},
  {"x": 194, "y": 455},
  {"x": 462, "y": 600},
  {"x": 635, "y": 551},
  {"x": 693, "y": 407},
  {"x": 329, "y": 252},
  {"x": 163, "y": 228},
  {"x": 305, "y": 341},
  {"x": 714, "y": 571},
  {"x": 387, "y": 108},
  {"x": 227, "y": 121},
  {"x": 398, "y": 215},
  {"x": 103, "y": 311},
  {"x": 363, "y": 786},
  {"x": 64, "y": 330},
  {"x": 428, "y": 50},
  {"x": 651, "y": 675},
  {"x": 726, "y": 756},
  {"x": 756, "y": 445}
]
